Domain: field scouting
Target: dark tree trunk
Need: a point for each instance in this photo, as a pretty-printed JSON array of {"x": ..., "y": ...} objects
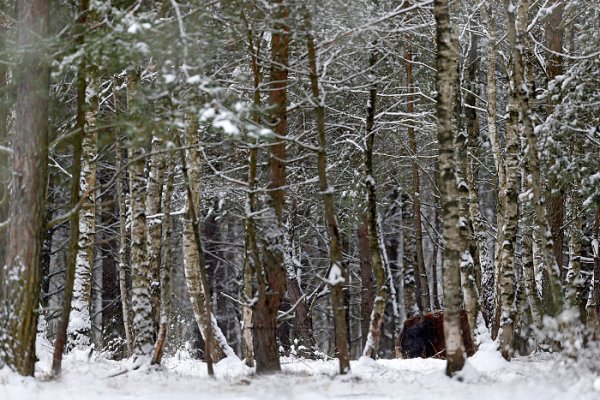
[
  {"x": 366, "y": 277},
  {"x": 271, "y": 275},
  {"x": 27, "y": 208}
]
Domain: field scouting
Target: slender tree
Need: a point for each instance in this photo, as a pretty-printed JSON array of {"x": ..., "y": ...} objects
[{"x": 446, "y": 63}]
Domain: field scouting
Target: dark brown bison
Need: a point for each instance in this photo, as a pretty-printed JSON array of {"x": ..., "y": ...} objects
[{"x": 423, "y": 336}]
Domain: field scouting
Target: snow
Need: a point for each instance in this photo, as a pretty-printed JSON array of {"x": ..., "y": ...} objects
[
  {"x": 486, "y": 376},
  {"x": 335, "y": 275}
]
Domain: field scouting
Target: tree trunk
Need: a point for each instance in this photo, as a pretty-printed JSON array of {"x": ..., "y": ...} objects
[
  {"x": 382, "y": 290},
  {"x": 594, "y": 305},
  {"x": 446, "y": 65},
  {"x": 27, "y": 207},
  {"x": 193, "y": 256},
  {"x": 422, "y": 282},
  {"x": 140, "y": 284},
  {"x": 154, "y": 187},
  {"x": 4, "y": 158},
  {"x": 366, "y": 278},
  {"x": 61, "y": 334},
  {"x": 556, "y": 201},
  {"x": 251, "y": 251},
  {"x": 165, "y": 268},
  {"x": 337, "y": 275},
  {"x": 490, "y": 13},
  {"x": 507, "y": 274},
  {"x": 271, "y": 276},
  {"x": 478, "y": 242},
  {"x": 551, "y": 290},
  {"x": 80, "y": 323},
  {"x": 121, "y": 176},
  {"x": 465, "y": 222}
]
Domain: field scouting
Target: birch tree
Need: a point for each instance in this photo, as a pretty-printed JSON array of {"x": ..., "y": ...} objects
[{"x": 446, "y": 78}]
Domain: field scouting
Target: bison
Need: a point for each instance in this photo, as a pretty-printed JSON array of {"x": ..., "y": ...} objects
[{"x": 423, "y": 336}]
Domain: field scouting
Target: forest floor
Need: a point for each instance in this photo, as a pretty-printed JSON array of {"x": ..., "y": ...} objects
[{"x": 486, "y": 377}]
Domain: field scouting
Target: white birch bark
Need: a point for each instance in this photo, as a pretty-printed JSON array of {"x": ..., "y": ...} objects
[
  {"x": 80, "y": 324},
  {"x": 140, "y": 285},
  {"x": 446, "y": 65}
]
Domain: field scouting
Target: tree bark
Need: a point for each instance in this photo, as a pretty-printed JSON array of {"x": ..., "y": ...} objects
[
  {"x": 165, "y": 268},
  {"x": 140, "y": 284},
  {"x": 27, "y": 208},
  {"x": 121, "y": 172},
  {"x": 507, "y": 275},
  {"x": 446, "y": 78},
  {"x": 154, "y": 187},
  {"x": 497, "y": 152},
  {"x": 271, "y": 276},
  {"x": 80, "y": 323},
  {"x": 556, "y": 201},
  {"x": 337, "y": 274},
  {"x": 423, "y": 300},
  {"x": 193, "y": 255}
]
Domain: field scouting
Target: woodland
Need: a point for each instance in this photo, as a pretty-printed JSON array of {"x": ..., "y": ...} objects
[{"x": 266, "y": 179}]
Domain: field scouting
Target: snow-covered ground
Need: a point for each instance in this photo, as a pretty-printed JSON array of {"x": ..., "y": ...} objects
[{"x": 486, "y": 377}]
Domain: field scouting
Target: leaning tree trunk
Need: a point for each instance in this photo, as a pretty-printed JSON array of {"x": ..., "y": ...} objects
[
  {"x": 80, "y": 323},
  {"x": 447, "y": 59},
  {"x": 193, "y": 255},
  {"x": 19, "y": 303},
  {"x": 337, "y": 275},
  {"x": 271, "y": 276},
  {"x": 140, "y": 284}
]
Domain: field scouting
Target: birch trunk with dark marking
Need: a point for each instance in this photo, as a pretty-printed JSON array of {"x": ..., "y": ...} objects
[
  {"x": 80, "y": 323},
  {"x": 507, "y": 268},
  {"x": 446, "y": 78},
  {"x": 19, "y": 303},
  {"x": 165, "y": 267},
  {"x": 140, "y": 284},
  {"x": 338, "y": 274},
  {"x": 499, "y": 163}
]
